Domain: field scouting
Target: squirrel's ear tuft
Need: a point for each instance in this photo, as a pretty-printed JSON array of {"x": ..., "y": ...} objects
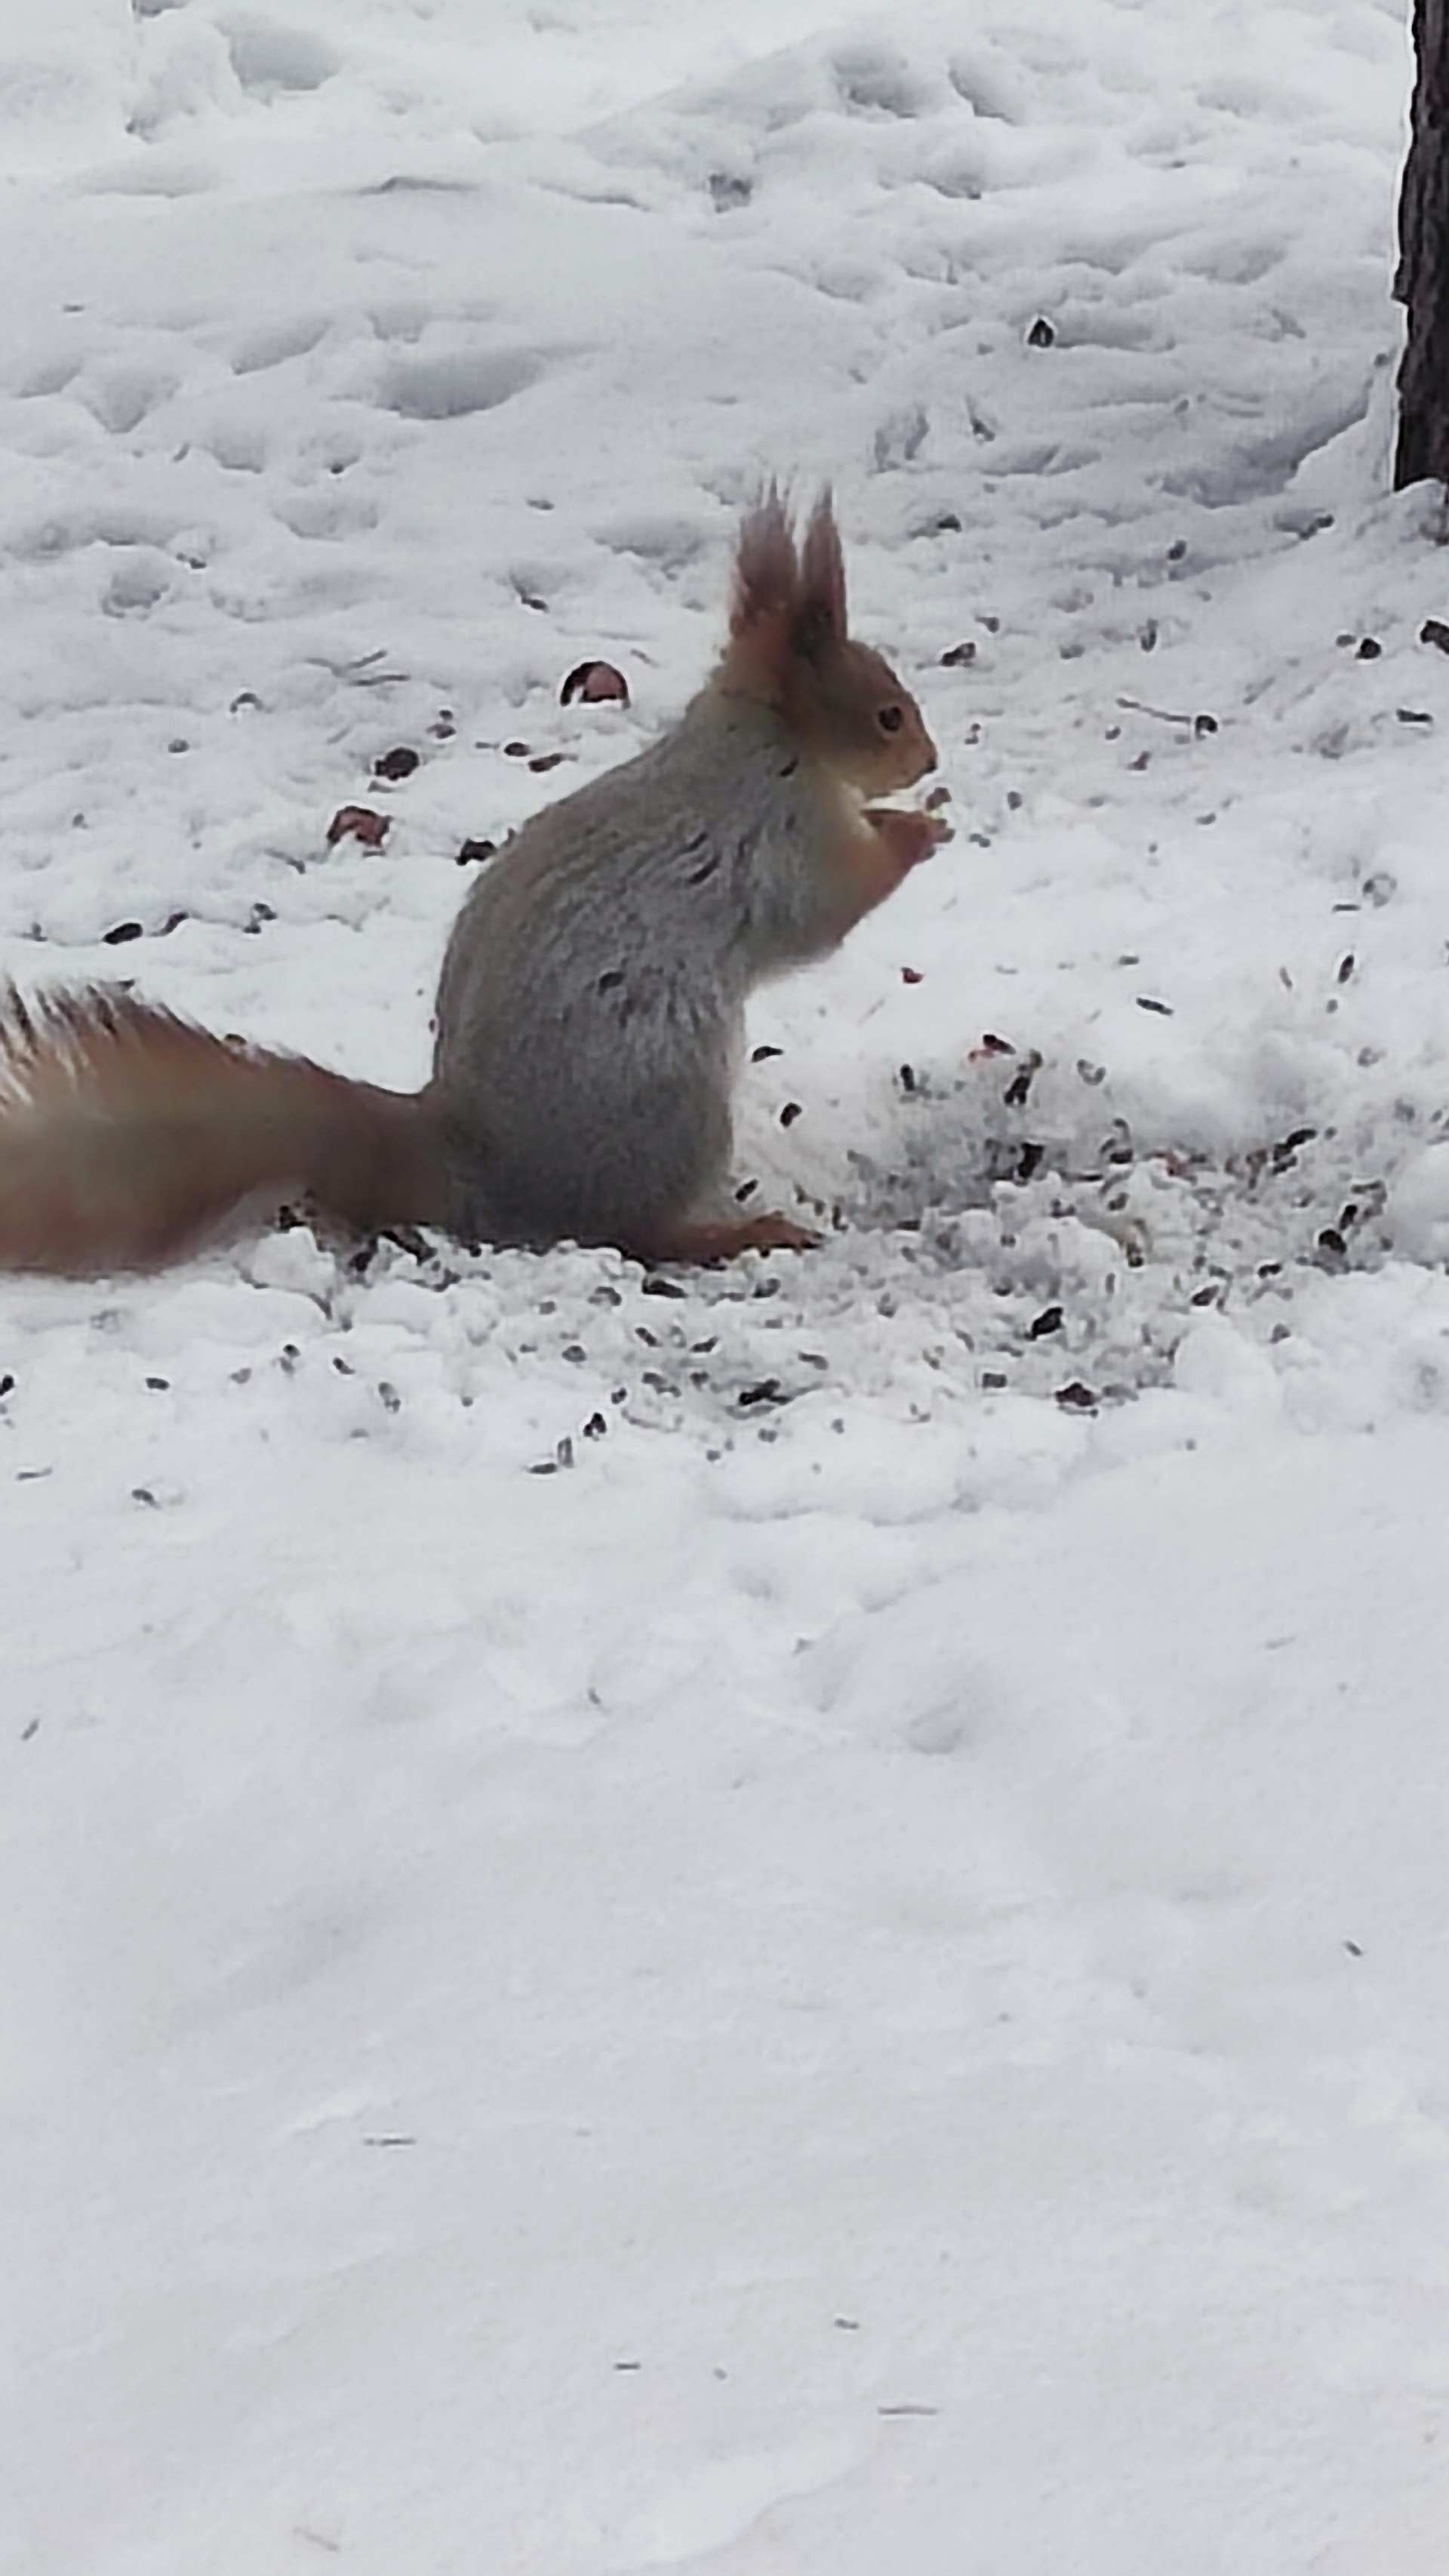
[
  {"x": 820, "y": 600},
  {"x": 767, "y": 571}
]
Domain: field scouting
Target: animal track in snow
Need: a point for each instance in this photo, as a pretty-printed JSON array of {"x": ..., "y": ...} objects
[
  {"x": 451, "y": 385},
  {"x": 267, "y": 56}
]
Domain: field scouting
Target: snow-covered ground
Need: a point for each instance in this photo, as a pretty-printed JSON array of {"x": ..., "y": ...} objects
[{"x": 789, "y": 1921}]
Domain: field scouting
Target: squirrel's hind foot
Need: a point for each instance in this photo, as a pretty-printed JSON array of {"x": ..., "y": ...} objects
[{"x": 709, "y": 1241}]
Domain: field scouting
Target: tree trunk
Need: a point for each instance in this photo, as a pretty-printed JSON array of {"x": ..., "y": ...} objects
[{"x": 1422, "y": 282}]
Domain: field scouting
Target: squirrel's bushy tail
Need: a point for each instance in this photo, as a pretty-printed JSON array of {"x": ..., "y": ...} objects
[{"x": 127, "y": 1136}]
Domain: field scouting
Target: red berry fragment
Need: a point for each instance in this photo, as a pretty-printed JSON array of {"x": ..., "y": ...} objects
[
  {"x": 358, "y": 823},
  {"x": 595, "y": 683}
]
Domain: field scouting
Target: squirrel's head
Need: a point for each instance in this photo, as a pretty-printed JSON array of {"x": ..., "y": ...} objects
[{"x": 790, "y": 646}]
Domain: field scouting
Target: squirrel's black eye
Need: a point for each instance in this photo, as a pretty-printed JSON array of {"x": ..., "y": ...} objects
[{"x": 892, "y": 719}]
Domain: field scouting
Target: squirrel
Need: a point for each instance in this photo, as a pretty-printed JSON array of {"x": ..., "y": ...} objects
[{"x": 590, "y": 1011}]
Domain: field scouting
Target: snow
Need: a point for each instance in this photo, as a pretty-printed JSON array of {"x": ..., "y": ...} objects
[{"x": 785, "y": 1919}]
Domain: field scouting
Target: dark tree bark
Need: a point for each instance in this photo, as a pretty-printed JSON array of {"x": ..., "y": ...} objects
[{"x": 1422, "y": 282}]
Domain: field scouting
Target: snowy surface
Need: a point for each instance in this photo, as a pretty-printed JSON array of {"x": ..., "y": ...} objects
[{"x": 789, "y": 1921}]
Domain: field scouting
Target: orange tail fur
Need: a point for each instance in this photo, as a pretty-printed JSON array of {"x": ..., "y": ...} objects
[{"x": 128, "y": 1135}]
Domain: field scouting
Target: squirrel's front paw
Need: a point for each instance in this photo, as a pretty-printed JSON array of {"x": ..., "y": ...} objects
[{"x": 907, "y": 833}]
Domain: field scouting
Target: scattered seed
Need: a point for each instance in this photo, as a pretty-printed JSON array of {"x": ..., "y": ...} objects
[
  {"x": 1077, "y": 1398},
  {"x": 768, "y": 1390}
]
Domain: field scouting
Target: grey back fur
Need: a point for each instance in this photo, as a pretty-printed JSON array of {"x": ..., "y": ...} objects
[{"x": 590, "y": 1010}]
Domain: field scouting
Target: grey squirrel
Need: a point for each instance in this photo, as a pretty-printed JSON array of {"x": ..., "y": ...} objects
[{"x": 591, "y": 1007}]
